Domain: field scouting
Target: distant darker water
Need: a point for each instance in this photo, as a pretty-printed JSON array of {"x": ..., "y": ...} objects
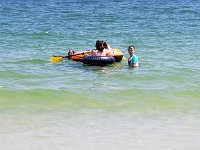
[{"x": 111, "y": 107}]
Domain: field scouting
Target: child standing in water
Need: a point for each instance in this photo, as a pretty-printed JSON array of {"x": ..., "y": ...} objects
[{"x": 133, "y": 59}]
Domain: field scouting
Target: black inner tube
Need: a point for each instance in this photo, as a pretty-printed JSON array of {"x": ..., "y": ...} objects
[{"x": 98, "y": 60}]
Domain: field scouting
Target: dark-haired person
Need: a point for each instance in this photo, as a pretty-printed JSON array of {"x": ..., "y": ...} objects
[{"x": 102, "y": 49}]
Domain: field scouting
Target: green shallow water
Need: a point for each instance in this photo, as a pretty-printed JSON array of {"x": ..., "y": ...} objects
[{"x": 144, "y": 101}]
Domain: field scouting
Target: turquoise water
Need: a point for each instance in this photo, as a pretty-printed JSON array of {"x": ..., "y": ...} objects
[{"x": 70, "y": 106}]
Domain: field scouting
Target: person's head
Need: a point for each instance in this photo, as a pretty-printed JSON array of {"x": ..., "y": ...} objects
[
  {"x": 131, "y": 50},
  {"x": 70, "y": 52},
  {"x": 99, "y": 45},
  {"x": 105, "y": 45}
]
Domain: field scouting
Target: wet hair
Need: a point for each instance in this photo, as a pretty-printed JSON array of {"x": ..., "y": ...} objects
[
  {"x": 105, "y": 45},
  {"x": 99, "y": 45},
  {"x": 131, "y": 46},
  {"x": 70, "y": 52}
]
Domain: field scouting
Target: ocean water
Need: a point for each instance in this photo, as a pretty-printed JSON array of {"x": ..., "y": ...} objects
[{"x": 67, "y": 105}]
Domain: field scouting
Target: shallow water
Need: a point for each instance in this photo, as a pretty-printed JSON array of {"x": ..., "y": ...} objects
[{"x": 71, "y": 106}]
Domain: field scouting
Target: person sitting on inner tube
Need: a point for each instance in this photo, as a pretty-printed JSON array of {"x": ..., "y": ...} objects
[{"x": 102, "y": 49}]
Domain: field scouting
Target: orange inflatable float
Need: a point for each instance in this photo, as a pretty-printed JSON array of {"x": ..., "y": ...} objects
[{"x": 78, "y": 56}]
